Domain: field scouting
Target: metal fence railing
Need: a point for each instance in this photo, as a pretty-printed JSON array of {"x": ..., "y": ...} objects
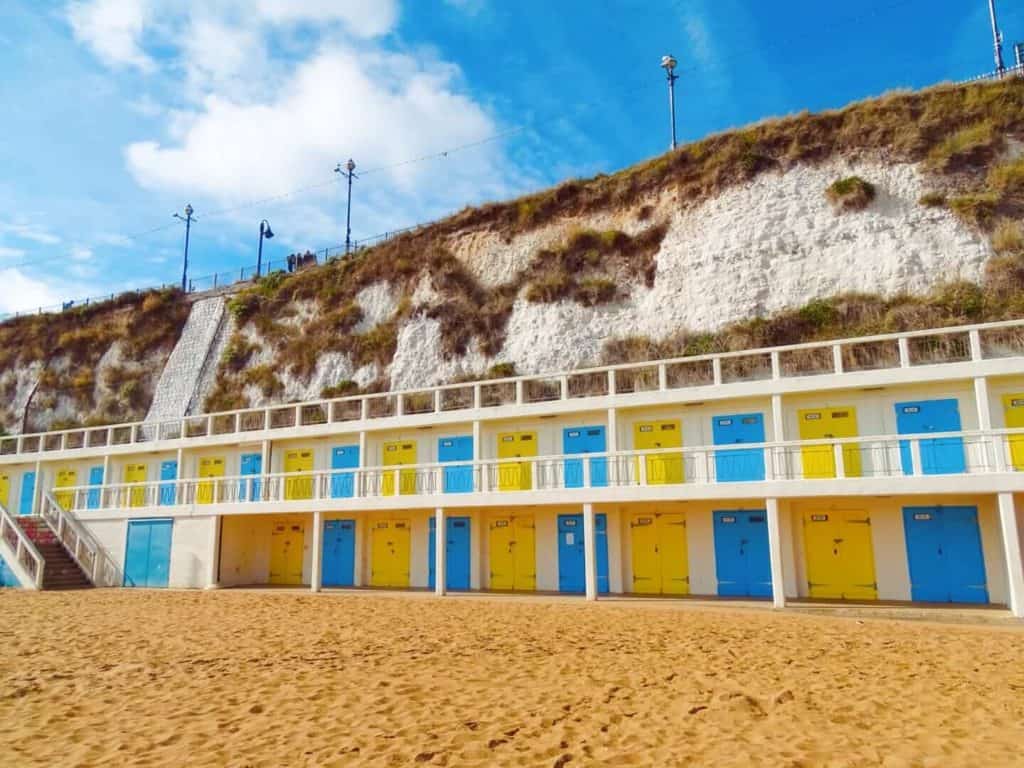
[{"x": 294, "y": 262}]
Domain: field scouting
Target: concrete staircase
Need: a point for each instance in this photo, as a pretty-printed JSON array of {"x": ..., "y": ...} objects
[{"x": 61, "y": 571}]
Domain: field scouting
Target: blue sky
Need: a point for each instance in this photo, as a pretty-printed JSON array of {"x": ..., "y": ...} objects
[{"x": 118, "y": 112}]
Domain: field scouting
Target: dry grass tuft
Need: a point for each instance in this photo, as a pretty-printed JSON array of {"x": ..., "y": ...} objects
[{"x": 850, "y": 194}]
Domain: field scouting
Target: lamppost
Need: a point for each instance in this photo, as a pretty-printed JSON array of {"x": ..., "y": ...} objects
[
  {"x": 668, "y": 63},
  {"x": 265, "y": 233},
  {"x": 997, "y": 38},
  {"x": 188, "y": 219},
  {"x": 348, "y": 173}
]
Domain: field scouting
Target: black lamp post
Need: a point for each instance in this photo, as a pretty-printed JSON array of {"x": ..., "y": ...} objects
[
  {"x": 265, "y": 233},
  {"x": 188, "y": 219},
  {"x": 349, "y": 173}
]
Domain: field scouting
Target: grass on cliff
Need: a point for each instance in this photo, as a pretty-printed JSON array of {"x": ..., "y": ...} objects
[{"x": 68, "y": 347}]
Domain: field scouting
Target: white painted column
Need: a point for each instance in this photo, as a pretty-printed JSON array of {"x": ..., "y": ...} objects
[
  {"x": 440, "y": 553},
  {"x": 265, "y": 458},
  {"x": 590, "y": 551},
  {"x": 981, "y": 397},
  {"x": 613, "y": 445},
  {"x": 1011, "y": 547},
  {"x": 179, "y": 473},
  {"x": 37, "y": 491},
  {"x": 777, "y": 468},
  {"x": 360, "y": 483},
  {"x": 481, "y": 485},
  {"x": 775, "y": 553},
  {"x": 211, "y": 577},
  {"x": 315, "y": 575}
]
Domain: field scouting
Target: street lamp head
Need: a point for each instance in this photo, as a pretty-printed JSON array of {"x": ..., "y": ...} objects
[
  {"x": 188, "y": 209},
  {"x": 350, "y": 165},
  {"x": 668, "y": 62},
  {"x": 268, "y": 232}
]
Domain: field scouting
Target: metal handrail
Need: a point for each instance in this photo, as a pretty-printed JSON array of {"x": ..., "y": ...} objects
[{"x": 24, "y": 546}]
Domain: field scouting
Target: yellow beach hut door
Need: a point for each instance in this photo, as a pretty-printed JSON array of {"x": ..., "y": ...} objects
[
  {"x": 822, "y": 423},
  {"x": 135, "y": 473},
  {"x": 1013, "y": 408},
  {"x": 286, "y": 542},
  {"x": 840, "y": 557},
  {"x": 5, "y": 489},
  {"x": 660, "y": 562},
  {"x": 516, "y": 475},
  {"x": 662, "y": 468},
  {"x": 209, "y": 467},
  {"x": 65, "y": 479},
  {"x": 389, "y": 554},
  {"x": 512, "y": 553},
  {"x": 298, "y": 461},
  {"x": 397, "y": 454}
]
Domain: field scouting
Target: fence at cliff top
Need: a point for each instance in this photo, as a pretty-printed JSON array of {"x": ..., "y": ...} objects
[
  {"x": 1017, "y": 70},
  {"x": 293, "y": 263}
]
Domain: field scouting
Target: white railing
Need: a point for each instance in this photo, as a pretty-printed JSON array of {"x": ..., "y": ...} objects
[
  {"x": 78, "y": 542},
  {"x": 25, "y": 553},
  {"x": 867, "y": 353},
  {"x": 875, "y": 456}
]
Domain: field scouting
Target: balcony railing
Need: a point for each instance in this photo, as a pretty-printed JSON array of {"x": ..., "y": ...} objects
[
  {"x": 871, "y": 353},
  {"x": 880, "y": 456}
]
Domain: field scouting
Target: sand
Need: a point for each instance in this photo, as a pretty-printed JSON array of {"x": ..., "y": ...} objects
[{"x": 237, "y": 678}]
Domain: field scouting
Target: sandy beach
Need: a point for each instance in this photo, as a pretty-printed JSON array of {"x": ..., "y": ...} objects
[{"x": 240, "y": 678}]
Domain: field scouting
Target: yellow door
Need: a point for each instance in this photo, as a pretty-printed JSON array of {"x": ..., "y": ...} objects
[
  {"x": 286, "y": 542},
  {"x": 660, "y": 561},
  {"x": 516, "y": 475},
  {"x": 501, "y": 554},
  {"x": 209, "y": 467},
  {"x": 1013, "y": 408},
  {"x": 839, "y": 554},
  {"x": 65, "y": 479},
  {"x": 675, "y": 566},
  {"x": 389, "y": 554},
  {"x": 649, "y": 435},
  {"x": 397, "y": 454},
  {"x": 821, "y": 423},
  {"x": 646, "y": 566},
  {"x": 5, "y": 489},
  {"x": 135, "y": 473},
  {"x": 524, "y": 548},
  {"x": 299, "y": 461}
]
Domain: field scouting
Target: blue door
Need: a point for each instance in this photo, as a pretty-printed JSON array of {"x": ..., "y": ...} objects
[
  {"x": 585, "y": 440},
  {"x": 7, "y": 577},
  {"x": 343, "y": 483},
  {"x": 251, "y": 464},
  {"x": 457, "y": 559},
  {"x": 731, "y": 466},
  {"x": 147, "y": 557},
  {"x": 571, "y": 556},
  {"x": 339, "y": 555},
  {"x": 742, "y": 563},
  {"x": 92, "y": 501},
  {"x": 28, "y": 493},
  {"x": 168, "y": 471},
  {"x": 456, "y": 479},
  {"x": 940, "y": 456},
  {"x": 944, "y": 555}
]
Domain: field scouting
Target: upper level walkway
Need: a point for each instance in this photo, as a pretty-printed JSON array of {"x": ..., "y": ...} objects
[{"x": 920, "y": 357}]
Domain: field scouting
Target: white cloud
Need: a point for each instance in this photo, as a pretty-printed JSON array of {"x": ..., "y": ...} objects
[
  {"x": 11, "y": 253},
  {"x": 112, "y": 29},
  {"x": 365, "y": 18},
  {"x": 23, "y": 231},
  {"x": 81, "y": 253},
  {"x": 345, "y": 101},
  {"x": 23, "y": 293}
]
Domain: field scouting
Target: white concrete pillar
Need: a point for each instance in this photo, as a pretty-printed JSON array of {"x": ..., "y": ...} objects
[
  {"x": 613, "y": 445},
  {"x": 984, "y": 405},
  {"x": 775, "y": 553},
  {"x": 212, "y": 581},
  {"x": 315, "y": 576},
  {"x": 777, "y": 459},
  {"x": 179, "y": 473},
  {"x": 37, "y": 491},
  {"x": 440, "y": 553},
  {"x": 479, "y": 471},
  {"x": 360, "y": 482},
  {"x": 1012, "y": 547},
  {"x": 590, "y": 551}
]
